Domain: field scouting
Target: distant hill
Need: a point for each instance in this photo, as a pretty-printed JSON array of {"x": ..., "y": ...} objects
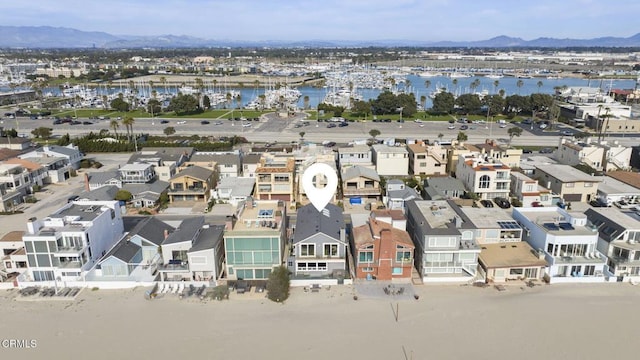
[{"x": 59, "y": 37}]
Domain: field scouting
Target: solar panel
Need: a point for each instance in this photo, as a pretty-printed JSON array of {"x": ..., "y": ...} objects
[
  {"x": 550, "y": 226},
  {"x": 566, "y": 226}
]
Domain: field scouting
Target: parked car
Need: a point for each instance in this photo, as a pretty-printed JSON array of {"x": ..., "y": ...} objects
[
  {"x": 546, "y": 151},
  {"x": 331, "y": 125},
  {"x": 343, "y": 124},
  {"x": 330, "y": 144},
  {"x": 246, "y": 125},
  {"x": 87, "y": 123},
  {"x": 536, "y": 204},
  {"x": 164, "y": 121},
  {"x": 486, "y": 203},
  {"x": 527, "y": 151},
  {"x": 567, "y": 133},
  {"x": 502, "y": 202},
  {"x": 596, "y": 203},
  {"x": 464, "y": 127},
  {"x": 451, "y": 127},
  {"x": 181, "y": 122},
  {"x": 205, "y": 122}
]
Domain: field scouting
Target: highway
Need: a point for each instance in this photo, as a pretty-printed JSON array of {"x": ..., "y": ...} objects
[{"x": 270, "y": 128}]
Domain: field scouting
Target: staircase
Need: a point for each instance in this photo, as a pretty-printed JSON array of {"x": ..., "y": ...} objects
[{"x": 416, "y": 279}]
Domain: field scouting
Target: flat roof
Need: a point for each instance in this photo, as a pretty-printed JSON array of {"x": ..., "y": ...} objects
[
  {"x": 611, "y": 185},
  {"x": 486, "y": 218},
  {"x": 542, "y": 217},
  {"x": 566, "y": 173},
  {"x": 12, "y": 236},
  {"x": 509, "y": 255},
  {"x": 438, "y": 213},
  {"x": 257, "y": 217}
]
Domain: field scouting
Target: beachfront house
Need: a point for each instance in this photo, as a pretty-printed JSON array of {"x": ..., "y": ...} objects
[
  {"x": 445, "y": 247},
  {"x": 69, "y": 242},
  {"x": 255, "y": 243},
  {"x": 382, "y": 251},
  {"x": 319, "y": 247},
  {"x": 619, "y": 240},
  {"x": 511, "y": 261},
  {"x": 568, "y": 240}
]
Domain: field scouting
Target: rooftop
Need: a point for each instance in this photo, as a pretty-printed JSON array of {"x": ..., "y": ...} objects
[
  {"x": 627, "y": 177},
  {"x": 487, "y": 218},
  {"x": 208, "y": 238},
  {"x": 556, "y": 222},
  {"x": 354, "y": 149},
  {"x": 566, "y": 173},
  {"x": 267, "y": 167},
  {"x": 310, "y": 221},
  {"x": 513, "y": 254},
  {"x": 12, "y": 236},
  {"x": 389, "y": 149},
  {"x": 260, "y": 216},
  {"x": 611, "y": 185},
  {"x": 365, "y": 234}
]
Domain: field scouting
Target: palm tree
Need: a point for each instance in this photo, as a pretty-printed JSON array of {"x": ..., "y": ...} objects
[
  {"x": 427, "y": 84},
  {"x": 539, "y": 84},
  {"x": 306, "y": 102},
  {"x": 519, "y": 84},
  {"x": 302, "y": 133},
  {"x": 163, "y": 80},
  {"x": 462, "y": 136},
  {"x": 373, "y": 133},
  {"x": 128, "y": 123},
  {"x": 496, "y": 83},
  {"x": 114, "y": 125},
  {"x": 423, "y": 101},
  {"x": 455, "y": 84},
  {"x": 440, "y": 136},
  {"x": 239, "y": 101}
]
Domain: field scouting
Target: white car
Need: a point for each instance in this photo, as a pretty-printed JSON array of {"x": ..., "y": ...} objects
[
  {"x": 543, "y": 126},
  {"x": 181, "y": 122},
  {"x": 451, "y": 127},
  {"x": 246, "y": 125},
  {"x": 502, "y": 126},
  {"x": 417, "y": 121}
]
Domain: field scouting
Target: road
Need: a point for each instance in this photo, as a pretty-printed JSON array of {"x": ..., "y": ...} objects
[{"x": 271, "y": 128}]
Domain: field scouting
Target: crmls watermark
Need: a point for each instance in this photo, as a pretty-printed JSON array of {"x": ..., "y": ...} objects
[{"x": 18, "y": 344}]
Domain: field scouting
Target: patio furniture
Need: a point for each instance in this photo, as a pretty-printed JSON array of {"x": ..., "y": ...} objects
[{"x": 316, "y": 287}]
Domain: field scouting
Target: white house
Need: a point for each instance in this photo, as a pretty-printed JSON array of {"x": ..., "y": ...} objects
[
  {"x": 68, "y": 243},
  {"x": 487, "y": 178},
  {"x": 568, "y": 240}
]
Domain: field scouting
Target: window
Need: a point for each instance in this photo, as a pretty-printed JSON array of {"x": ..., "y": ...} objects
[
  {"x": 589, "y": 270},
  {"x": 570, "y": 185},
  {"x": 330, "y": 249},
  {"x": 403, "y": 254},
  {"x": 442, "y": 242},
  {"x": 396, "y": 271},
  {"x": 485, "y": 180},
  {"x": 516, "y": 271},
  {"x": 367, "y": 269},
  {"x": 588, "y": 184},
  {"x": 365, "y": 256},
  {"x": 312, "y": 266},
  {"x": 308, "y": 250}
]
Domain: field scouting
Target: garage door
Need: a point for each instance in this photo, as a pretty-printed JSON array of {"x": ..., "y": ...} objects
[{"x": 572, "y": 197}]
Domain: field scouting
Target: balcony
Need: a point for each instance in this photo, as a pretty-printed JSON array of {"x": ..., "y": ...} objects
[
  {"x": 174, "y": 266},
  {"x": 187, "y": 191},
  {"x": 589, "y": 259},
  {"x": 70, "y": 265},
  {"x": 361, "y": 191},
  {"x": 68, "y": 250}
]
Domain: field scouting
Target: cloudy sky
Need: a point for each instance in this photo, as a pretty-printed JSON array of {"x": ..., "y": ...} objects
[{"x": 425, "y": 20}]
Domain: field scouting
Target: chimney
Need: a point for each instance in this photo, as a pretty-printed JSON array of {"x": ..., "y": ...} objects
[
  {"x": 458, "y": 221},
  {"x": 86, "y": 182},
  {"x": 33, "y": 225},
  {"x": 166, "y": 234},
  {"x": 228, "y": 223}
]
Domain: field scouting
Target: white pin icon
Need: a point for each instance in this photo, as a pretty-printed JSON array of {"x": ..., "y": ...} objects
[{"x": 319, "y": 197}]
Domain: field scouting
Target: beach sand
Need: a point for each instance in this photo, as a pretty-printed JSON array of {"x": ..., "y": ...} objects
[{"x": 447, "y": 322}]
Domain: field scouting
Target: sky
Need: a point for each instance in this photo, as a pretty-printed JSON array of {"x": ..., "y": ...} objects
[{"x": 417, "y": 20}]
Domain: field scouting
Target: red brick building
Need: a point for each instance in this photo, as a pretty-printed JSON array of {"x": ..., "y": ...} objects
[{"x": 382, "y": 252}]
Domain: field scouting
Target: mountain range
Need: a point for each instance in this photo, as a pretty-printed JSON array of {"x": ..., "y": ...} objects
[{"x": 60, "y": 37}]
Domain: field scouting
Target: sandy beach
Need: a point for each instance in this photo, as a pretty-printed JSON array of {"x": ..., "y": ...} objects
[{"x": 447, "y": 322}]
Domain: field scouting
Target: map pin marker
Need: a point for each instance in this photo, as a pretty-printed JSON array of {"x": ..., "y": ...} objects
[{"x": 319, "y": 197}]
